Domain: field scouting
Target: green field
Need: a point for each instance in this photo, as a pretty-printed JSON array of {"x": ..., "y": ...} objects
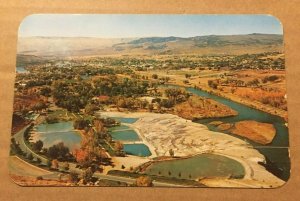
[{"x": 204, "y": 165}]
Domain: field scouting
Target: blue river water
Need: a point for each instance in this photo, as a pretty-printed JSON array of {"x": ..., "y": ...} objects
[{"x": 277, "y": 152}]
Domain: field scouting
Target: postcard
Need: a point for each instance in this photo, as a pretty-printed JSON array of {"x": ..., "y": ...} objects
[{"x": 150, "y": 100}]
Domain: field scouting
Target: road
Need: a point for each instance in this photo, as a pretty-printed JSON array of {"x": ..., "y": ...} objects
[{"x": 19, "y": 137}]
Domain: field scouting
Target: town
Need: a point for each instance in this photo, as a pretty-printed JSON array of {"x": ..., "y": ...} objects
[{"x": 77, "y": 90}]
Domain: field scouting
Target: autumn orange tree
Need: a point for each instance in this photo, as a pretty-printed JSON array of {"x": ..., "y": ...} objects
[
  {"x": 119, "y": 148},
  {"x": 100, "y": 129},
  {"x": 90, "y": 153},
  {"x": 144, "y": 181},
  {"x": 54, "y": 164}
]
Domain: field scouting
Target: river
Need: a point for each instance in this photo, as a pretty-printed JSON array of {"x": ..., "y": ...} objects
[{"x": 277, "y": 152}]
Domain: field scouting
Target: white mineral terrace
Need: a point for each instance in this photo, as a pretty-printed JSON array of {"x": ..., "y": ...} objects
[{"x": 162, "y": 132}]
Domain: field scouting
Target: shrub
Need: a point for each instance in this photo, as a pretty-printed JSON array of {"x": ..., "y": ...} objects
[
  {"x": 66, "y": 166},
  {"x": 87, "y": 175},
  {"x": 212, "y": 84},
  {"x": 59, "y": 151},
  {"x": 144, "y": 181},
  {"x": 37, "y": 146},
  {"x": 155, "y": 76},
  {"x": 185, "y": 81},
  {"x": 38, "y": 160},
  {"x": 39, "y": 178},
  {"x": 29, "y": 156},
  {"x": 80, "y": 124},
  {"x": 54, "y": 164},
  {"x": 73, "y": 177},
  {"x": 48, "y": 163}
]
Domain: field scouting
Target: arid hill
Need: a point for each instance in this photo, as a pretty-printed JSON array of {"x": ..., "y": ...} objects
[{"x": 204, "y": 45}]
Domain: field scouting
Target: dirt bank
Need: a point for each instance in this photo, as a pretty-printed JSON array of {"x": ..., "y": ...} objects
[
  {"x": 198, "y": 108},
  {"x": 262, "y": 133}
]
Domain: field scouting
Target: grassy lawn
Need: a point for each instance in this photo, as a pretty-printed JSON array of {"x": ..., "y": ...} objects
[
  {"x": 183, "y": 72},
  {"x": 59, "y": 114},
  {"x": 63, "y": 114}
]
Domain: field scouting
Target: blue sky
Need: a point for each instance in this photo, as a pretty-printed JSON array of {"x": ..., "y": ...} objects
[{"x": 123, "y": 26}]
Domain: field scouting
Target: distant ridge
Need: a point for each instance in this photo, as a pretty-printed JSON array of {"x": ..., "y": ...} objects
[{"x": 203, "y": 45}]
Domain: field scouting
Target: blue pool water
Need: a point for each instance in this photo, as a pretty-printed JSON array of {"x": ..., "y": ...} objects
[
  {"x": 126, "y": 120},
  {"x": 52, "y": 134},
  {"x": 137, "y": 149},
  {"x": 125, "y": 135}
]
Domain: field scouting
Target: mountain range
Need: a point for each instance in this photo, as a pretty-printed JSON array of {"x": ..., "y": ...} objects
[{"x": 202, "y": 45}]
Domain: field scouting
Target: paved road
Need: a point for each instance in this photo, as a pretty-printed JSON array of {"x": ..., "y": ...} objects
[
  {"x": 132, "y": 180},
  {"x": 19, "y": 137}
]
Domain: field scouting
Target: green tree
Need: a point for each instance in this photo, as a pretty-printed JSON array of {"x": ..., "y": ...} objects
[
  {"x": 87, "y": 175},
  {"x": 90, "y": 108},
  {"x": 38, "y": 160},
  {"x": 39, "y": 106},
  {"x": 29, "y": 156},
  {"x": 73, "y": 177},
  {"x": 176, "y": 94},
  {"x": 155, "y": 76},
  {"x": 66, "y": 166},
  {"x": 59, "y": 151},
  {"x": 212, "y": 84},
  {"x": 187, "y": 76},
  {"x": 37, "y": 146},
  {"x": 48, "y": 163},
  {"x": 15, "y": 148},
  {"x": 46, "y": 91},
  {"x": 171, "y": 152},
  {"x": 80, "y": 123}
]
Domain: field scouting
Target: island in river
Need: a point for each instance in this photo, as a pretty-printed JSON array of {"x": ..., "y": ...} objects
[{"x": 262, "y": 133}]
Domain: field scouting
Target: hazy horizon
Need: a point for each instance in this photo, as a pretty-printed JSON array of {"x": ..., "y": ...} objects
[
  {"x": 140, "y": 25},
  {"x": 142, "y": 37}
]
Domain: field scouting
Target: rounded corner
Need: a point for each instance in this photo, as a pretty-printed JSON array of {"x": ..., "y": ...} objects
[
  {"x": 284, "y": 184},
  {"x": 15, "y": 181},
  {"x": 277, "y": 19},
  {"x": 24, "y": 19}
]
